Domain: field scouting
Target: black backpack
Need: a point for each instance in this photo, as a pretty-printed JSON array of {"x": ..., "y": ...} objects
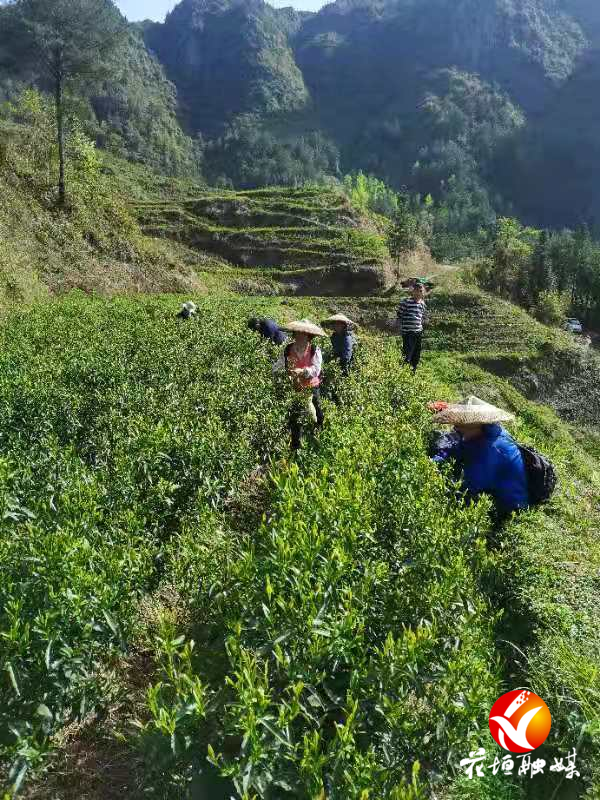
[{"x": 541, "y": 475}]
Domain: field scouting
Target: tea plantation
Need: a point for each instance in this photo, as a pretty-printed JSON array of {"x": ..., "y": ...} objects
[
  {"x": 189, "y": 611},
  {"x": 267, "y": 227}
]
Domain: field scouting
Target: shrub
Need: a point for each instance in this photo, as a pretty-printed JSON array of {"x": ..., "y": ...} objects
[
  {"x": 551, "y": 307},
  {"x": 121, "y": 429}
]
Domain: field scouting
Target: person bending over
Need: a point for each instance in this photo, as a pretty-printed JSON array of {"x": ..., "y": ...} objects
[
  {"x": 188, "y": 310},
  {"x": 488, "y": 457},
  {"x": 268, "y": 329}
]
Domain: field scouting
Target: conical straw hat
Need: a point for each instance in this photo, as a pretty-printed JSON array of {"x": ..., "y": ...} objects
[
  {"x": 304, "y": 326},
  {"x": 338, "y": 318},
  {"x": 472, "y": 411}
]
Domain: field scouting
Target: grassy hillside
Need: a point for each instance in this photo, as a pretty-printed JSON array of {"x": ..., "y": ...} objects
[
  {"x": 95, "y": 244},
  {"x": 132, "y": 112},
  {"x": 546, "y": 364},
  {"x": 113, "y": 236}
]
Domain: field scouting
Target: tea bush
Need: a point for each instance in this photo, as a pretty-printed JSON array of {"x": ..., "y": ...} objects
[
  {"x": 325, "y": 625},
  {"x": 352, "y": 628},
  {"x": 119, "y": 425}
]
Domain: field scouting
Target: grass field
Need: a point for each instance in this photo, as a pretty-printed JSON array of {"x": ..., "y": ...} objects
[{"x": 188, "y": 611}]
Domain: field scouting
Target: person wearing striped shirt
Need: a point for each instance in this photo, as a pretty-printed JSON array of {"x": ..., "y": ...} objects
[{"x": 412, "y": 316}]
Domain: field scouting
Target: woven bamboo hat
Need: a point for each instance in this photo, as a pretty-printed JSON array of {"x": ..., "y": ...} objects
[
  {"x": 472, "y": 411},
  {"x": 330, "y": 321},
  {"x": 304, "y": 326}
]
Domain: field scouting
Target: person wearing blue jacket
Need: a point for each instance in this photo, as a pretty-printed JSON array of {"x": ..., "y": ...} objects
[
  {"x": 268, "y": 329},
  {"x": 342, "y": 340},
  {"x": 488, "y": 456}
]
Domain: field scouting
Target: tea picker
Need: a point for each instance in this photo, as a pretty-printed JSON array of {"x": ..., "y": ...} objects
[
  {"x": 490, "y": 460},
  {"x": 267, "y": 329},
  {"x": 302, "y": 361},
  {"x": 188, "y": 310},
  {"x": 342, "y": 340}
]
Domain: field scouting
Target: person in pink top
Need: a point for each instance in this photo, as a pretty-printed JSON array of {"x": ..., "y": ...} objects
[{"x": 302, "y": 360}]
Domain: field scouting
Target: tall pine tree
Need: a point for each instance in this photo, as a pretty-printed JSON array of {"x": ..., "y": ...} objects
[{"x": 62, "y": 43}]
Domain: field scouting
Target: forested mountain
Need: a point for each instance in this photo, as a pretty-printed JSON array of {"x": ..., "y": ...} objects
[
  {"x": 136, "y": 114},
  {"x": 554, "y": 173},
  {"x": 229, "y": 57},
  {"x": 448, "y": 97},
  {"x": 388, "y": 48},
  {"x": 486, "y": 105}
]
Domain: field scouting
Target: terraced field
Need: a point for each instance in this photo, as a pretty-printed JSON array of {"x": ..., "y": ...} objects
[{"x": 302, "y": 229}]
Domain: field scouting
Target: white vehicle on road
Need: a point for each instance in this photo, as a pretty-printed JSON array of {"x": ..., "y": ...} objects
[{"x": 573, "y": 326}]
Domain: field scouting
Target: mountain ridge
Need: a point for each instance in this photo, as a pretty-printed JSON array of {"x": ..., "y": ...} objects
[
  {"x": 238, "y": 47},
  {"x": 479, "y": 101},
  {"x": 357, "y": 73}
]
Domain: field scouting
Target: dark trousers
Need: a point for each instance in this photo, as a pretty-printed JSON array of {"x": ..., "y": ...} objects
[
  {"x": 411, "y": 347},
  {"x": 297, "y": 413}
]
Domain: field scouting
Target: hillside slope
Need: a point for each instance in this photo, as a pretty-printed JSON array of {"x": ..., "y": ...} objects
[
  {"x": 545, "y": 364},
  {"x": 95, "y": 245},
  {"x": 350, "y": 617},
  {"x": 353, "y": 645},
  {"x": 131, "y": 229}
]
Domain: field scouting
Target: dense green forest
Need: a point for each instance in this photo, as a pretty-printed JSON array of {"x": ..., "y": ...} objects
[
  {"x": 493, "y": 96},
  {"x": 491, "y": 101}
]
